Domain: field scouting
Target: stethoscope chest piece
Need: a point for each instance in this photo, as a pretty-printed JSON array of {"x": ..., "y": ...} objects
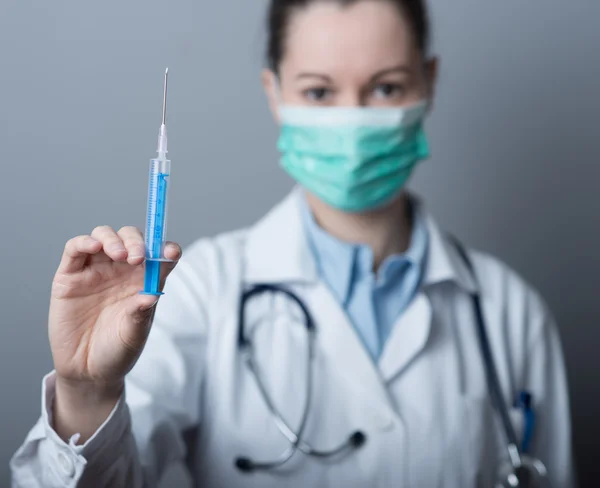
[{"x": 530, "y": 474}]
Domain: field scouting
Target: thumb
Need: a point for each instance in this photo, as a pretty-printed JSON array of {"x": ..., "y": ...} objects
[
  {"x": 142, "y": 303},
  {"x": 133, "y": 331},
  {"x": 173, "y": 254}
]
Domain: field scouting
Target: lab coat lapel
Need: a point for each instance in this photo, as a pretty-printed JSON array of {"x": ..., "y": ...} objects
[
  {"x": 341, "y": 347},
  {"x": 408, "y": 338},
  {"x": 412, "y": 329}
]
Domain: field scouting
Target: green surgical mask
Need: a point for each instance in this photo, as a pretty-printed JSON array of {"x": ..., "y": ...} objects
[{"x": 352, "y": 158}]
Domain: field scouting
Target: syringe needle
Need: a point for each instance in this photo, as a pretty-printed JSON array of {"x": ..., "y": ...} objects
[
  {"x": 164, "y": 114},
  {"x": 162, "y": 134}
]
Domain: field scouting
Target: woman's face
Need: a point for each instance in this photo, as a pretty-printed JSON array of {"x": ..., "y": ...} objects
[{"x": 364, "y": 54}]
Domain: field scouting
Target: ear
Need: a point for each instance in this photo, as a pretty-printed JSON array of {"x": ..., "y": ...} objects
[{"x": 270, "y": 85}]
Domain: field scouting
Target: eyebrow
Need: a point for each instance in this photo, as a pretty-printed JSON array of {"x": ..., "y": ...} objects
[
  {"x": 379, "y": 74},
  {"x": 394, "y": 69},
  {"x": 314, "y": 75}
]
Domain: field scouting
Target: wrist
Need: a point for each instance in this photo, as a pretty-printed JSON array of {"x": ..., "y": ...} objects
[
  {"x": 84, "y": 393},
  {"x": 81, "y": 407}
]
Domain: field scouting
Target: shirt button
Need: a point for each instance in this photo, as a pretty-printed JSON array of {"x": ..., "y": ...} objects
[
  {"x": 384, "y": 422},
  {"x": 66, "y": 464}
]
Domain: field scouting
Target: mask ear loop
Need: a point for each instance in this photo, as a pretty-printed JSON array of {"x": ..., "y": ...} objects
[
  {"x": 277, "y": 92},
  {"x": 277, "y": 87}
]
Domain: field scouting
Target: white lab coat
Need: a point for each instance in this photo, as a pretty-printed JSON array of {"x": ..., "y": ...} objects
[{"x": 424, "y": 407}]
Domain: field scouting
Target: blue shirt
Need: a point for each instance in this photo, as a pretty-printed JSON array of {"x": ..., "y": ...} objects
[{"x": 373, "y": 302}]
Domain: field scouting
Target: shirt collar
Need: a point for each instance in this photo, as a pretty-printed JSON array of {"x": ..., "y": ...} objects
[
  {"x": 416, "y": 254},
  {"x": 339, "y": 261}
]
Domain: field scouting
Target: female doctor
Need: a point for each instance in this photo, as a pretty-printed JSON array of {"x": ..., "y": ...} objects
[{"x": 344, "y": 340}]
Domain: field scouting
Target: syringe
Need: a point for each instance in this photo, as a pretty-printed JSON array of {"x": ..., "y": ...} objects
[{"x": 156, "y": 222}]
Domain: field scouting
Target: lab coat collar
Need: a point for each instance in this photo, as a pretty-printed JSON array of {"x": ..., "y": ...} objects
[
  {"x": 277, "y": 248},
  {"x": 278, "y": 251},
  {"x": 444, "y": 263}
]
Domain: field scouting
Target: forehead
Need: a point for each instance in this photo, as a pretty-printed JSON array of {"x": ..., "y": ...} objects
[{"x": 365, "y": 35}]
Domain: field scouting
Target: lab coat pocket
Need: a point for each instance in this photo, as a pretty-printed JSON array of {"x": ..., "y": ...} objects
[{"x": 486, "y": 442}]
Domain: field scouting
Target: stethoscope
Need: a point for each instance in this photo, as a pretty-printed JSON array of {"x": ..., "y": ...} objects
[{"x": 519, "y": 471}]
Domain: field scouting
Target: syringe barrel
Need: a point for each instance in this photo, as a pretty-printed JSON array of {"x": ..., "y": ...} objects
[{"x": 156, "y": 220}]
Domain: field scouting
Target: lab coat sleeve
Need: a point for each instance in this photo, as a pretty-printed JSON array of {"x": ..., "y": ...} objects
[
  {"x": 144, "y": 433},
  {"x": 552, "y": 442}
]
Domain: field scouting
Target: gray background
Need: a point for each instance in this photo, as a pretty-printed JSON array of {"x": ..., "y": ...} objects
[{"x": 515, "y": 137}]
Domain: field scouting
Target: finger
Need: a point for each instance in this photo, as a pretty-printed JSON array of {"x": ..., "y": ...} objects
[
  {"x": 172, "y": 252},
  {"x": 77, "y": 250},
  {"x": 111, "y": 243},
  {"x": 133, "y": 241}
]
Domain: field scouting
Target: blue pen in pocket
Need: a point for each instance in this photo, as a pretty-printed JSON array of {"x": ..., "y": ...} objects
[{"x": 525, "y": 403}]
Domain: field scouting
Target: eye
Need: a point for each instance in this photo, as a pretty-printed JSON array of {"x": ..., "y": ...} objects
[
  {"x": 388, "y": 90},
  {"x": 318, "y": 94}
]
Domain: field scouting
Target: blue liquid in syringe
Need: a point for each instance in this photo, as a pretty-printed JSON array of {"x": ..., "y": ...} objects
[{"x": 155, "y": 228}]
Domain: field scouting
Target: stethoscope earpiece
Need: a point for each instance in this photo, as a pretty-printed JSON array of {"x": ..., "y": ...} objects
[
  {"x": 244, "y": 465},
  {"x": 357, "y": 439}
]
